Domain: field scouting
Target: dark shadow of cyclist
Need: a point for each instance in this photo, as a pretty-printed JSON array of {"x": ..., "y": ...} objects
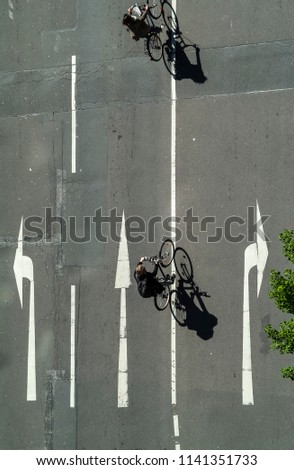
[
  {"x": 197, "y": 316},
  {"x": 183, "y": 67},
  {"x": 190, "y": 298}
]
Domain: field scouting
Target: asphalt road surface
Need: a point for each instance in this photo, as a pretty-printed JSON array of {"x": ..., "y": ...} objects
[{"x": 90, "y": 125}]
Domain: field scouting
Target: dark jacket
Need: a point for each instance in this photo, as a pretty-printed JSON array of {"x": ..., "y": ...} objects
[
  {"x": 139, "y": 29},
  {"x": 148, "y": 285}
]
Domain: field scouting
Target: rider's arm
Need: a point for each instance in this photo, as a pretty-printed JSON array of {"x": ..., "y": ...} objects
[
  {"x": 147, "y": 258},
  {"x": 154, "y": 272},
  {"x": 135, "y": 272},
  {"x": 143, "y": 16}
]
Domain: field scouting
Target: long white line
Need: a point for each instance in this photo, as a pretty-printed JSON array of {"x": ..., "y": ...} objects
[
  {"x": 173, "y": 215},
  {"x": 73, "y": 113},
  {"x": 72, "y": 345}
]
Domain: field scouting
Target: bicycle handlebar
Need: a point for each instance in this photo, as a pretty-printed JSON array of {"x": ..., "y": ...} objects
[{"x": 152, "y": 259}]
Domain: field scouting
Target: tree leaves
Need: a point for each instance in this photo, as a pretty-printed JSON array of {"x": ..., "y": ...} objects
[{"x": 282, "y": 292}]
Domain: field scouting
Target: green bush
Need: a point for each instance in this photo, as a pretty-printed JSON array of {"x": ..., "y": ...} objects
[{"x": 282, "y": 292}]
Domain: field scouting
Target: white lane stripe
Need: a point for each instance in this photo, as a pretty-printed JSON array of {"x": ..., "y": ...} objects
[
  {"x": 173, "y": 215},
  {"x": 176, "y": 425},
  {"x": 72, "y": 345},
  {"x": 122, "y": 394},
  {"x": 73, "y": 113}
]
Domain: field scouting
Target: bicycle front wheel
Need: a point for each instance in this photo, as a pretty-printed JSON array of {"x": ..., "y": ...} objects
[
  {"x": 178, "y": 310},
  {"x": 162, "y": 300},
  {"x": 154, "y": 47},
  {"x": 166, "y": 252},
  {"x": 183, "y": 265},
  {"x": 170, "y": 17},
  {"x": 155, "y": 8}
]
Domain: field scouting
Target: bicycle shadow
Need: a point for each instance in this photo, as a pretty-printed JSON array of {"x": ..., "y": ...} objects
[
  {"x": 198, "y": 318},
  {"x": 176, "y": 59}
]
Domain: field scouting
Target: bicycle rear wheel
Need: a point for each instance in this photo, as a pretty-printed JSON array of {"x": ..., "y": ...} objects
[
  {"x": 178, "y": 310},
  {"x": 170, "y": 17},
  {"x": 183, "y": 265},
  {"x": 166, "y": 252},
  {"x": 154, "y": 47},
  {"x": 168, "y": 54},
  {"x": 155, "y": 8},
  {"x": 162, "y": 300}
]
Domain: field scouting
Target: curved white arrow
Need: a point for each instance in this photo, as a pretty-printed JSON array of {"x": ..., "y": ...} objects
[
  {"x": 23, "y": 268},
  {"x": 123, "y": 281},
  {"x": 255, "y": 255}
]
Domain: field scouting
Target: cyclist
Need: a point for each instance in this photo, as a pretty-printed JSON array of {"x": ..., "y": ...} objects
[
  {"x": 147, "y": 283},
  {"x": 137, "y": 27}
]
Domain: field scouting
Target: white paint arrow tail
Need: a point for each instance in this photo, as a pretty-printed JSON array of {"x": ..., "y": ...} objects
[
  {"x": 123, "y": 281},
  {"x": 23, "y": 268},
  {"x": 255, "y": 255},
  {"x": 247, "y": 383}
]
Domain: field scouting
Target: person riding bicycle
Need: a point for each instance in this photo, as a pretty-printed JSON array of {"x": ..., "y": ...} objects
[
  {"x": 147, "y": 283},
  {"x": 136, "y": 24},
  {"x": 134, "y": 20}
]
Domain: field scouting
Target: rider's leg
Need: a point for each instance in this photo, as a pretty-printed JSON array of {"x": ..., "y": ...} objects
[
  {"x": 167, "y": 280},
  {"x": 156, "y": 29}
]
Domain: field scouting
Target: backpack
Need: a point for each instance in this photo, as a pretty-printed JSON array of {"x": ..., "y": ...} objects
[{"x": 145, "y": 290}]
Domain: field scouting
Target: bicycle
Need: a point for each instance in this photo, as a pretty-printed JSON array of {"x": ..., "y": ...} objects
[
  {"x": 164, "y": 259},
  {"x": 152, "y": 44}
]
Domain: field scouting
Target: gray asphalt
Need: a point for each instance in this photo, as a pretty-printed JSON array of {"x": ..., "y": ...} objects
[{"x": 234, "y": 146}]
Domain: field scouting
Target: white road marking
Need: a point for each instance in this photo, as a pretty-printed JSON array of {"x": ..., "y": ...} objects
[
  {"x": 123, "y": 392},
  {"x": 255, "y": 255},
  {"x": 73, "y": 113},
  {"x": 250, "y": 258},
  {"x": 123, "y": 281},
  {"x": 262, "y": 251},
  {"x": 176, "y": 425},
  {"x": 173, "y": 215},
  {"x": 10, "y": 9},
  {"x": 23, "y": 268},
  {"x": 72, "y": 345}
]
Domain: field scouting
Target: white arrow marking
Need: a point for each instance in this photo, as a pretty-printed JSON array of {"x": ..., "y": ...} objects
[
  {"x": 123, "y": 281},
  {"x": 250, "y": 260},
  {"x": 23, "y": 268},
  {"x": 255, "y": 255},
  {"x": 262, "y": 252}
]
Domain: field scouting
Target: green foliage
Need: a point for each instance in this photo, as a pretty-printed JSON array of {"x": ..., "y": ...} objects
[
  {"x": 282, "y": 292},
  {"x": 287, "y": 238},
  {"x": 288, "y": 372},
  {"x": 282, "y": 339}
]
